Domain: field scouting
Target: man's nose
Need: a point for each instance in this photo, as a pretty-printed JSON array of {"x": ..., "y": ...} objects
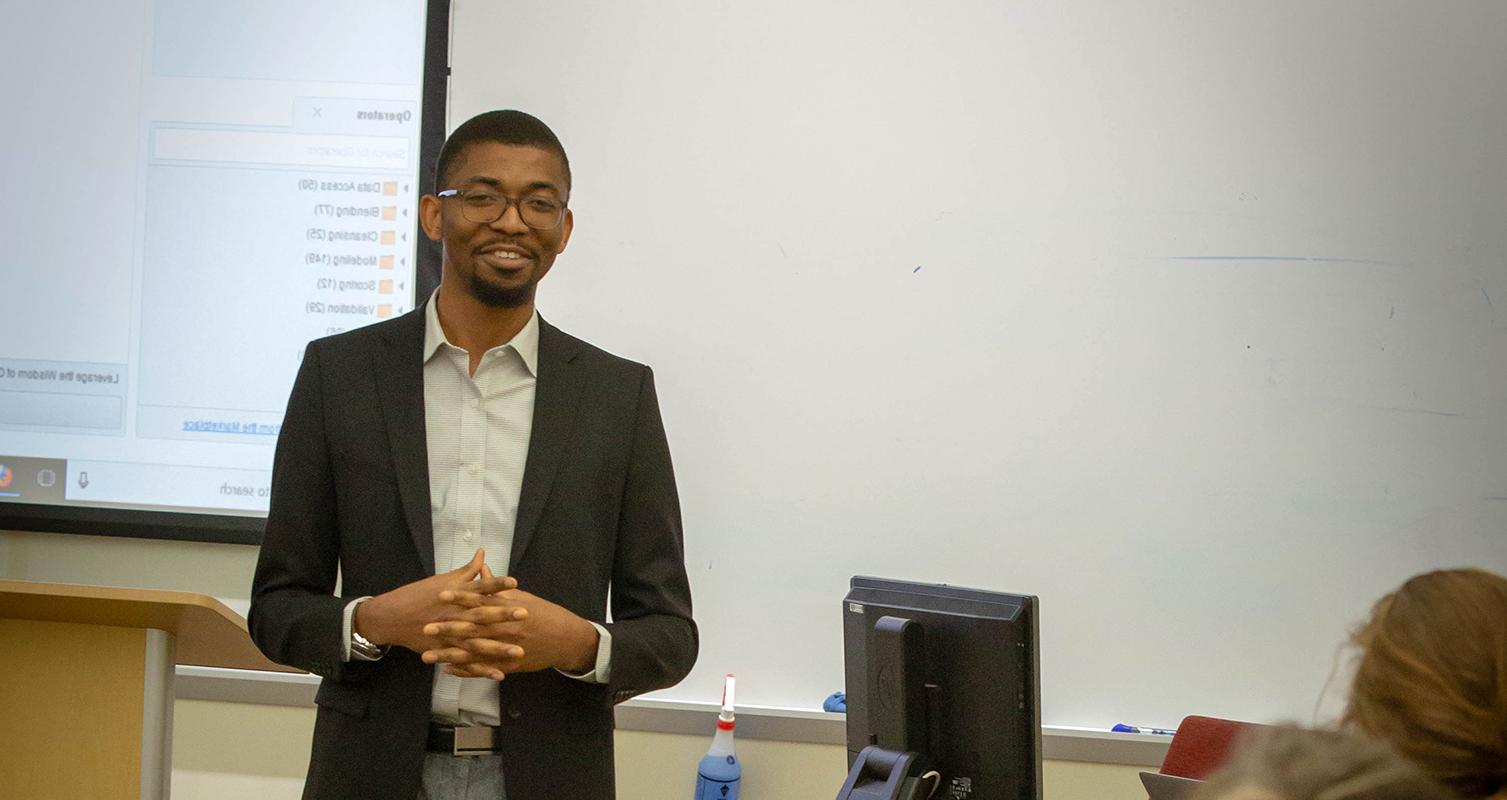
[{"x": 511, "y": 220}]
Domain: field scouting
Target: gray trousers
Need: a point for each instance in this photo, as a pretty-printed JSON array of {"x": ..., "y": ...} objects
[{"x": 448, "y": 777}]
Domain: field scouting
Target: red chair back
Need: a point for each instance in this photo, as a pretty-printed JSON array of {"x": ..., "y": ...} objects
[{"x": 1201, "y": 745}]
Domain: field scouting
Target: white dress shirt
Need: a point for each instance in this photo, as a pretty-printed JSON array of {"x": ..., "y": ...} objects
[{"x": 477, "y": 432}]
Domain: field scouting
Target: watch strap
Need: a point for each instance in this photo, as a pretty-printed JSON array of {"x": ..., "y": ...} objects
[{"x": 362, "y": 648}]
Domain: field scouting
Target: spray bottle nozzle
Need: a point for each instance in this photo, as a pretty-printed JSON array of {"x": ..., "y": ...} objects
[{"x": 726, "y": 717}]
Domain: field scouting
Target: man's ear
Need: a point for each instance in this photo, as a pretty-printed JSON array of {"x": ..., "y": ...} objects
[
  {"x": 429, "y": 216},
  {"x": 568, "y": 224}
]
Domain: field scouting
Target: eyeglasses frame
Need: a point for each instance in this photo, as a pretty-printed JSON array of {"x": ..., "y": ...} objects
[{"x": 508, "y": 201}]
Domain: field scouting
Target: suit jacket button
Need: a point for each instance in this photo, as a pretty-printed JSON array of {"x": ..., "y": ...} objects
[{"x": 514, "y": 713}]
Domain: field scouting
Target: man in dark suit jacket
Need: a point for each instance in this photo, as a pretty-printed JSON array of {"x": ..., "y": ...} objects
[{"x": 471, "y": 415}]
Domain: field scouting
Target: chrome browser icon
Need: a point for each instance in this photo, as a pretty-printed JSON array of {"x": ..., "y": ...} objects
[{"x": 6, "y": 475}]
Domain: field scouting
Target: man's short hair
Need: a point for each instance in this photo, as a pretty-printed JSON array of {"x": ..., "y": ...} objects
[{"x": 502, "y": 127}]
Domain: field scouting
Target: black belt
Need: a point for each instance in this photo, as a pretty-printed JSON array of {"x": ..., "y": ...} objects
[{"x": 464, "y": 740}]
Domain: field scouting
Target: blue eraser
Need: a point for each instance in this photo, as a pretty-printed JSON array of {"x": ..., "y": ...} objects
[
  {"x": 1121, "y": 727},
  {"x": 836, "y": 701}
]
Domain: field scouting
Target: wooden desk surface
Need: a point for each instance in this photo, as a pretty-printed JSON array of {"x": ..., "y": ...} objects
[{"x": 208, "y": 633}]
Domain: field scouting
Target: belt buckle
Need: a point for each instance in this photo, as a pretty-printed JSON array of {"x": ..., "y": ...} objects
[{"x": 473, "y": 740}]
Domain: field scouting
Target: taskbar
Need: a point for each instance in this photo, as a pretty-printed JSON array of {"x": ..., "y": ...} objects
[{"x": 167, "y": 488}]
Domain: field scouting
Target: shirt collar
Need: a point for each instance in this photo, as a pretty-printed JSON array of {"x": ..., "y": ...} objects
[{"x": 525, "y": 343}]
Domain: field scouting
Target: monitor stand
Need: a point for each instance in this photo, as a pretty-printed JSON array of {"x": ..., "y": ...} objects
[{"x": 880, "y": 774}]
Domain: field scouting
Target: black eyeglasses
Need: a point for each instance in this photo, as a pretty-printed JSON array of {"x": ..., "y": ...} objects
[{"x": 485, "y": 206}]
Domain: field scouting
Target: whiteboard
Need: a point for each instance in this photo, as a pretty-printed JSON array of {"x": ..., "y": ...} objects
[{"x": 1188, "y": 317}]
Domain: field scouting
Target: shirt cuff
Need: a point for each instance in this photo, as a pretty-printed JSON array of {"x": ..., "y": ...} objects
[
  {"x": 602, "y": 672},
  {"x": 346, "y": 627}
]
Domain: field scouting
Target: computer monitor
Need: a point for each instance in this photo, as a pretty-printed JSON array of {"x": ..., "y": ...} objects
[{"x": 950, "y": 675}]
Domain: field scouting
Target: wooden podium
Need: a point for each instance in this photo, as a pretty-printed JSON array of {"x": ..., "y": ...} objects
[{"x": 86, "y": 684}]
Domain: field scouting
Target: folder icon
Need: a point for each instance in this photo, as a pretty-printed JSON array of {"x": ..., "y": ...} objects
[
  {"x": 384, "y": 286},
  {"x": 389, "y": 212},
  {"x": 390, "y": 188},
  {"x": 385, "y": 262},
  {"x": 384, "y": 310},
  {"x": 389, "y": 237}
]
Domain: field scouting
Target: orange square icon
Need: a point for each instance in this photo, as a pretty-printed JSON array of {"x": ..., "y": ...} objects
[
  {"x": 384, "y": 286},
  {"x": 385, "y": 262},
  {"x": 389, "y": 212},
  {"x": 390, "y": 188},
  {"x": 384, "y": 310},
  {"x": 389, "y": 237}
]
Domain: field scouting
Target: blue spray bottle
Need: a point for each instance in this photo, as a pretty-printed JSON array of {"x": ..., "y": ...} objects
[{"x": 719, "y": 772}]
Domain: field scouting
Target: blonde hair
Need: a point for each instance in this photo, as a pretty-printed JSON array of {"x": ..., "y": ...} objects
[
  {"x": 1286, "y": 762},
  {"x": 1432, "y": 678}
]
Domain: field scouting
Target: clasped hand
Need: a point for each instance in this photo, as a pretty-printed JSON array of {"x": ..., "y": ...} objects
[
  {"x": 504, "y": 629},
  {"x": 479, "y": 625}
]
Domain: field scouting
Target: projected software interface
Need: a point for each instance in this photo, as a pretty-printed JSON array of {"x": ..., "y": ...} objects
[{"x": 207, "y": 187}]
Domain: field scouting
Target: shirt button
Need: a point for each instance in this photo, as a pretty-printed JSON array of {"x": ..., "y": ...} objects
[
  {"x": 476, "y": 404},
  {"x": 470, "y": 536},
  {"x": 514, "y": 713},
  {"x": 473, "y": 469}
]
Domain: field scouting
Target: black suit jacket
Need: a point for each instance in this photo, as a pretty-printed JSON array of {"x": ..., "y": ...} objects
[{"x": 350, "y": 490}]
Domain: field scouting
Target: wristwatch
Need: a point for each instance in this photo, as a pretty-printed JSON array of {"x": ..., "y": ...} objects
[{"x": 361, "y": 647}]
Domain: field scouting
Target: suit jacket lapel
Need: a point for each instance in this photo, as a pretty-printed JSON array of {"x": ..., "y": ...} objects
[
  {"x": 400, "y": 381},
  {"x": 557, "y": 396}
]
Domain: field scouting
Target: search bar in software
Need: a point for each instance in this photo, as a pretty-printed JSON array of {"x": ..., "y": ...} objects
[{"x": 281, "y": 149}]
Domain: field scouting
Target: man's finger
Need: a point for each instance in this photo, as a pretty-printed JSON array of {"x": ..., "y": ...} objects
[
  {"x": 479, "y": 593},
  {"x": 471, "y": 569},
  {"x": 494, "y": 584},
  {"x": 494, "y": 614},
  {"x": 477, "y": 564},
  {"x": 447, "y": 655},
  {"x": 458, "y": 630},
  {"x": 455, "y": 630},
  {"x": 491, "y": 650},
  {"x": 472, "y": 650},
  {"x": 477, "y": 670},
  {"x": 469, "y": 599},
  {"x": 462, "y": 598}
]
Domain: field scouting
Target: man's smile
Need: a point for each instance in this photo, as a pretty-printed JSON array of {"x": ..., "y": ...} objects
[{"x": 504, "y": 256}]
